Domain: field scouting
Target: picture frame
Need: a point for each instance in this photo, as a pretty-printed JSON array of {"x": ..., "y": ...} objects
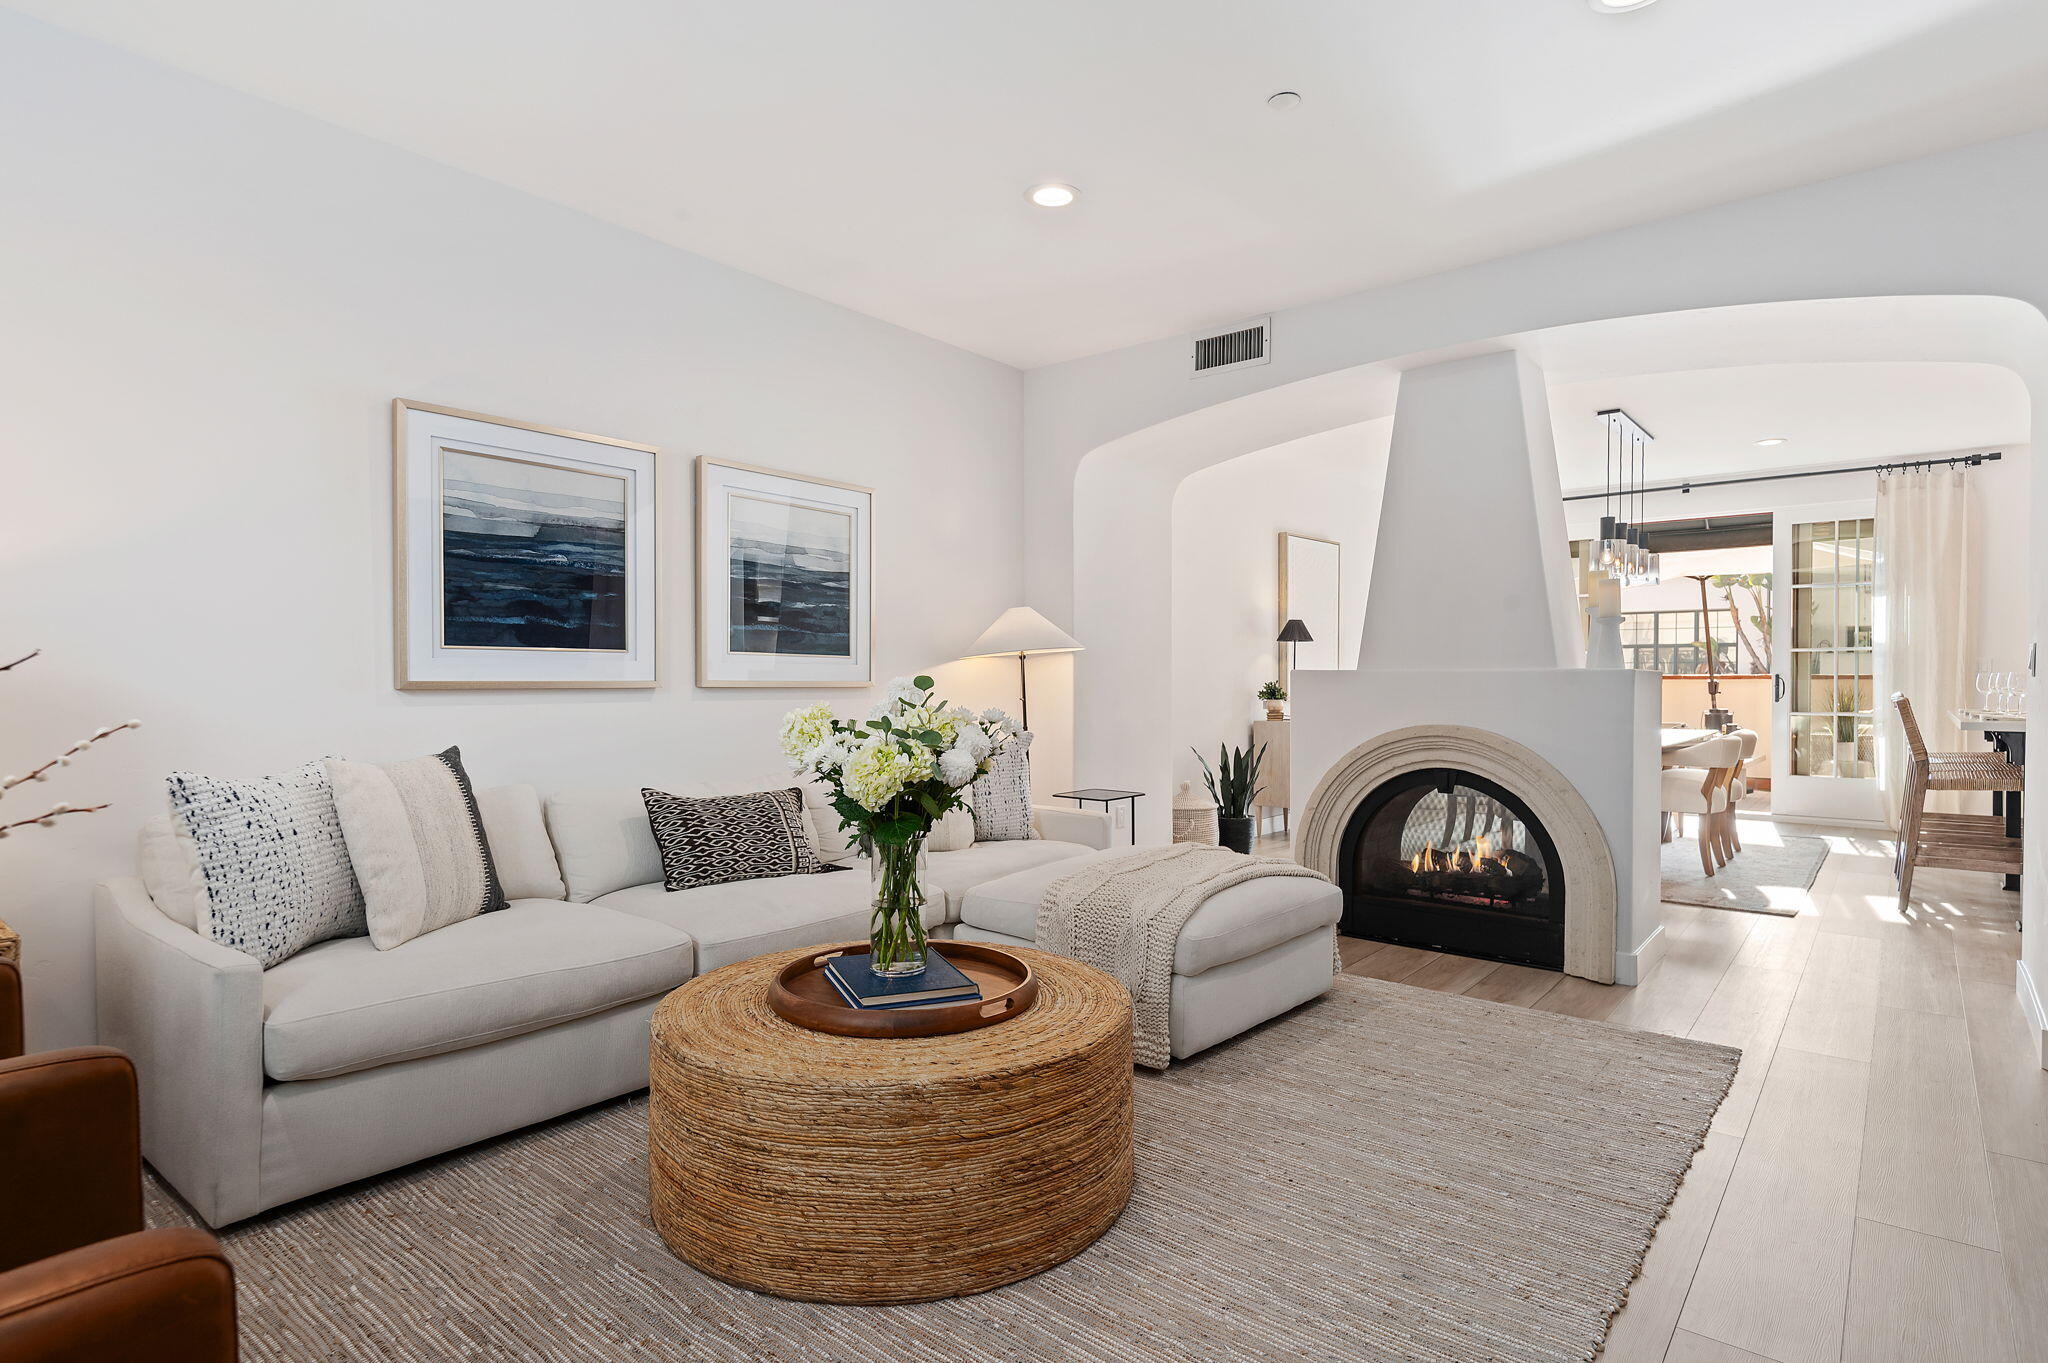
[
  {"x": 1311, "y": 591},
  {"x": 524, "y": 556},
  {"x": 785, "y": 578}
]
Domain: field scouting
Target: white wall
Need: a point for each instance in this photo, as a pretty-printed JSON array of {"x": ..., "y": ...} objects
[
  {"x": 1226, "y": 572},
  {"x": 207, "y": 306}
]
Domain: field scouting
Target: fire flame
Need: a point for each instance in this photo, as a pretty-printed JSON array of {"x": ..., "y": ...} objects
[{"x": 1480, "y": 857}]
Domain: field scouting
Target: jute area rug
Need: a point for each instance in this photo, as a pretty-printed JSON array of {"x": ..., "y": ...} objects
[
  {"x": 1773, "y": 873},
  {"x": 1385, "y": 1174}
]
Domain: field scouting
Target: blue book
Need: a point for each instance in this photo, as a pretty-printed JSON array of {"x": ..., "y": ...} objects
[{"x": 939, "y": 982}]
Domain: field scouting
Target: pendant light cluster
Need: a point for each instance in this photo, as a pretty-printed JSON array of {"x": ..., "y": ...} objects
[{"x": 1622, "y": 552}]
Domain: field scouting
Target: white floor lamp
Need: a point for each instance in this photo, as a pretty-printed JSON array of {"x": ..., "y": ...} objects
[{"x": 1022, "y": 631}]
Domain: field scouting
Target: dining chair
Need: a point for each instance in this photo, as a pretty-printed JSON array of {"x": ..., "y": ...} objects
[
  {"x": 1957, "y": 842},
  {"x": 1702, "y": 788},
  {"x": 1738, "y": 786}
]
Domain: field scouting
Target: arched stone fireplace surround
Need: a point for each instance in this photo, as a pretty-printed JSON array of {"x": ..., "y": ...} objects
[{"x": 1587, "y": 865}]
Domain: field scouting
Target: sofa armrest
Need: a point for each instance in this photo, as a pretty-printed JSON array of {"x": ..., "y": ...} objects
[
  {"x": 167, "y": 1295},
  {"x": 1089, "y": 827},
  {"x": 189, "y": 1011},
  {"x": 68, "y": 1143}
]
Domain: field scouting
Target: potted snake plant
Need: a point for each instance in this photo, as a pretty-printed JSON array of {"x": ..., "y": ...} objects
[{"x": 1232, "y": 782}]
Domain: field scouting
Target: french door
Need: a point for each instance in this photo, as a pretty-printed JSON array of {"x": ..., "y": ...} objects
[{"x": 1827, "y": 712}]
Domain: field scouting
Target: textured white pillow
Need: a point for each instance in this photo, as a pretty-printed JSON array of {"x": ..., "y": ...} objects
[
  {"x": 272, "y": 859},
  {"x": 520, "y": 847},
  {"x": 169, "y": 871},
  {"x": 417, "y": 844},
  {"x": 1001, "y": 800},
  {"x": 954, "y": 833}
]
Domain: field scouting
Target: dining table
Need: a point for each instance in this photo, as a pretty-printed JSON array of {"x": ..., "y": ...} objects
[
  {"x": 1672, "y": 743},
  {"x": 2007, "y": 734}
]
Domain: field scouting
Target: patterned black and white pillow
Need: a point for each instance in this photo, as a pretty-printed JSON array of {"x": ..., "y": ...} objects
[
  {"x": 272, "y": 860},
  {"x": 720, "y": 838},
  {"x": 1001, "y": 800}
]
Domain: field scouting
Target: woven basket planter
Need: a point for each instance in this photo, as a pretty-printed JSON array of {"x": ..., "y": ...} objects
[
  {"x": 1194, "y": 818},
  {"x": 871, "y": 1170}
]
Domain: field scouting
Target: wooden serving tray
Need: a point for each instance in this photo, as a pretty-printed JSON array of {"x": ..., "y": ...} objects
[{"x": 801, "y": 994}]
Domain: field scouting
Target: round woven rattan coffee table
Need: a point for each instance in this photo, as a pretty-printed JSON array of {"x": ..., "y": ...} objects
[{"x": 871, "y": 1170}]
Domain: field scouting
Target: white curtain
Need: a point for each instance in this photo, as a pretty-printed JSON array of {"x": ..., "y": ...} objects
[{"x": 1926, "y": 607}]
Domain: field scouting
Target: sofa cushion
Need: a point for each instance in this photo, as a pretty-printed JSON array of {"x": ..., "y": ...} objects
[
  {"x": 520, "y": 846},
  {"x": 344, "y": 1005},
  {"x": 746, "y": 918},
  {"x": 169, "y": 867},
  {"x": 1237, "y": 922},
  {"x": 978, "y": 863}
]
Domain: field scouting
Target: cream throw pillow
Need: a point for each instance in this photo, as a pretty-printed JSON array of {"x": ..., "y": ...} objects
[{"x": 417, "y": 844}]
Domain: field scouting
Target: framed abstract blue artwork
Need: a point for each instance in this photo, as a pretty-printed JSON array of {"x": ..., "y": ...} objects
[
  {"x": 525, "y": 555},
  {"x": 784, "y": 587}
]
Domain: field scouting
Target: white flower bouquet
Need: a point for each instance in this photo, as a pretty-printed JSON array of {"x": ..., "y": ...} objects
[{"x": 893, "y": 776}]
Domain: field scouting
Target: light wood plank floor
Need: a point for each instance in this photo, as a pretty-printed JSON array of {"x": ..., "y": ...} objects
[{"x": 1875, "y": 1187}]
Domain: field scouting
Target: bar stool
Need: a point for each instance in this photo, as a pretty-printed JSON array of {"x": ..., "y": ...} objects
[{"x": 1957, "y": 842}]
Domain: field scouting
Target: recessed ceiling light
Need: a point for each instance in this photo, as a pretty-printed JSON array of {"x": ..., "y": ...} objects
[
  {"x": 1052, "y": 195},
  {"x": 1771, "y": 440},
  {"x": 1286, "y": 99},
  {"x": 1619, "y": 6}
]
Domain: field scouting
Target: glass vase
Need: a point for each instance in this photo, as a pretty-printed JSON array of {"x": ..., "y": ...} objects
[{"x": 896, "y": 938}]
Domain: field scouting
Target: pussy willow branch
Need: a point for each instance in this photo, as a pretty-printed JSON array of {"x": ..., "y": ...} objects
[
  {"x": 63, "y": 759},
  {"x": 50, "y": 816}
]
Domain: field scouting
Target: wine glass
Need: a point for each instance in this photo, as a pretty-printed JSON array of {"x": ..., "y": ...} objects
[
  {"x": 2008, "y": 683},
  {"x": 1987, "y": 682}
]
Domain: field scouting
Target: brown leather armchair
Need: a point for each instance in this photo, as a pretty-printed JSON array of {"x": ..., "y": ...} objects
[{"x": 80, "y": 1280}]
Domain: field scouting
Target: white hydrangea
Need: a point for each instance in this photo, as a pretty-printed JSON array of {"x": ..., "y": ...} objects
[
  {"x": 875, "y": 773},
  {"x": 957, "y": 767},
  {"x": 904, "y": 691},
  {"x": 803, "y": 730},
  {"x": 828, "y": 758}
]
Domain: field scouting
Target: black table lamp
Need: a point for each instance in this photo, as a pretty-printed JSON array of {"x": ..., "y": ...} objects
[{"x": 1296, "y": 634}]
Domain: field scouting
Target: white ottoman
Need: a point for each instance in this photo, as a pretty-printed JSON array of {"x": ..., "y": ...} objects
[{"x": 1252, "y": 952}]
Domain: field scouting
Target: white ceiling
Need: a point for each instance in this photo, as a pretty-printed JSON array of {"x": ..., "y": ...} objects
[
  {"x": 1707, "y": 420},
  {"x": 876, "y": 153}
]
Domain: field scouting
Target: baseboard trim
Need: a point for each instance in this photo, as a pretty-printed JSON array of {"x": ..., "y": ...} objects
[
  {"x": 2030, "y": 1004},
  {"x": 1630, "y": 967}
]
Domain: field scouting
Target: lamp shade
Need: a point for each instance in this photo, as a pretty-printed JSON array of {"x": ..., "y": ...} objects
[
  {"x": 1021, "y": 629},
  {"x": 1294, "y": 632}
]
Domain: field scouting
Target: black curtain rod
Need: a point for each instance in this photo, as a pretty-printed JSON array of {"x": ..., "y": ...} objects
[{"x": 1966, "y": 460}]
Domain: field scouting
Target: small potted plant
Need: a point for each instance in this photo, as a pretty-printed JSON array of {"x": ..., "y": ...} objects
[
  {"x": 1275, "y": 696},
  {"x": 1232, "y": 782}
]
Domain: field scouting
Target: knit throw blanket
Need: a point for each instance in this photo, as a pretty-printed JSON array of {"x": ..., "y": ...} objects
[{"x": 1124, "y": 915}]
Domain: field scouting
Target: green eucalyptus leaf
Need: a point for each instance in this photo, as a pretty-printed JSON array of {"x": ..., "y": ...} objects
[{"x": 923, "y": 683}]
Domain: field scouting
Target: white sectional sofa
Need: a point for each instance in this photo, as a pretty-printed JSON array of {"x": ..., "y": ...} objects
[{"x": 262, "y": 1086}]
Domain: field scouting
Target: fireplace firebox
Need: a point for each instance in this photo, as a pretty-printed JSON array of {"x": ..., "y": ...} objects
[{"x": 1446, "y": 859}]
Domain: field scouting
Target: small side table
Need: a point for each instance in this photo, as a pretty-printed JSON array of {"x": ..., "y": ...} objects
[{"x": 1098, "y": 795}]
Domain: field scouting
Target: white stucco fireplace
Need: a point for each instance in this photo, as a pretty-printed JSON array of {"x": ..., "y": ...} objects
[{"x": 1472, "y": 786}]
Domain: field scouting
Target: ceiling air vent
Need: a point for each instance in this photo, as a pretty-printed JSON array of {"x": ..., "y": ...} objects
[{"x": 1246, "y": 343}]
